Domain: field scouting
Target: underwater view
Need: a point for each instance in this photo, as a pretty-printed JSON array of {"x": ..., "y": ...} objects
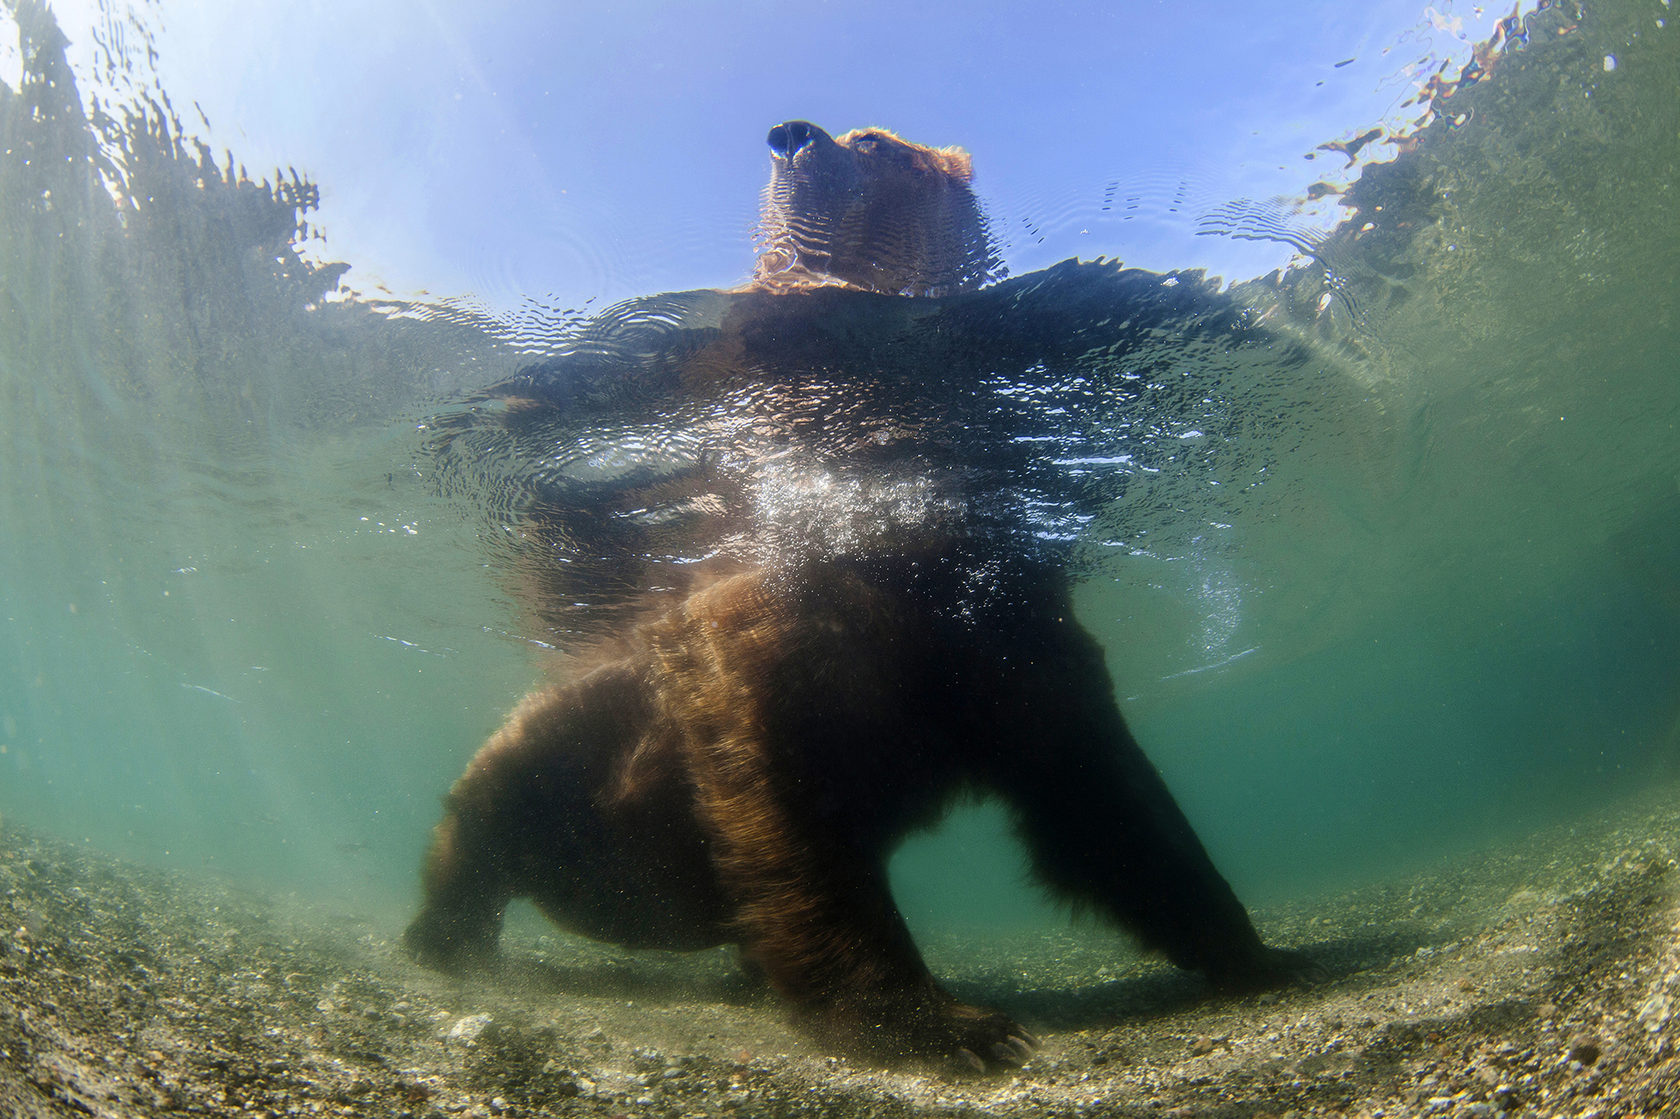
[{"x": 1303, "y": 384}]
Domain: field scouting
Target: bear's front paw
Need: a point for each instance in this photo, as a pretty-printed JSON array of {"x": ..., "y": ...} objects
[
  {"x": 969, "y": 1038},
  {"x": 925, "y": 1027},
  {"x": 983, "y": 1040}
]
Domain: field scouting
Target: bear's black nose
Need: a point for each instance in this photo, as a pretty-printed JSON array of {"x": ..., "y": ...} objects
[{"x": 793, "y": 136}]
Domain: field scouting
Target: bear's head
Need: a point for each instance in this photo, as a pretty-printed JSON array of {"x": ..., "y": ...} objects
[{"x": 870, "y": 211}]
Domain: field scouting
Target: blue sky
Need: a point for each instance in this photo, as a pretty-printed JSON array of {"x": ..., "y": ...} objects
[{"x": 573, "y": 153}]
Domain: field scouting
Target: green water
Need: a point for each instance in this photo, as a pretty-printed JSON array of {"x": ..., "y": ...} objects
[{"x": 242, "y": 631}]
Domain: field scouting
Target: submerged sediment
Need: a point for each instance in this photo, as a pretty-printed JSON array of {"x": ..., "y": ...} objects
[{"x": 1538, "y": 978}]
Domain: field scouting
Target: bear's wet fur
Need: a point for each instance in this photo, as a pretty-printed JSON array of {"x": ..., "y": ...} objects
[{"x": 742, "y": 766}]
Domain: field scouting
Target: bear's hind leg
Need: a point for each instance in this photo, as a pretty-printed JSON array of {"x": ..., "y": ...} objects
[
  {"x": 461, "y": 921},
  {"x": 532, "y": 785}
]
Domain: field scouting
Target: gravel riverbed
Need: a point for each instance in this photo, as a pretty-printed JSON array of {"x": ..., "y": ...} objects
[{"x": 1539, "y": 978}]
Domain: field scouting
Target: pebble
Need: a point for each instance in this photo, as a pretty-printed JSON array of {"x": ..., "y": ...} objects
[
  {"x": 1655, "y": 1012},
  {"x": 466, "y": 1030}
]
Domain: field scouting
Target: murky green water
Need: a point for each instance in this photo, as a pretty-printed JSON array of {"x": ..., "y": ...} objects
[{"x": 243, "y": 631}]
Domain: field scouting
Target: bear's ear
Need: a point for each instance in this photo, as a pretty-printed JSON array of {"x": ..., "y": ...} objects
[{"x": 954, "y": 162}]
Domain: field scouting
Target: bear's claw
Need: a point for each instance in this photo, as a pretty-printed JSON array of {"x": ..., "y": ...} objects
[{"x": 987, "y": 1040}]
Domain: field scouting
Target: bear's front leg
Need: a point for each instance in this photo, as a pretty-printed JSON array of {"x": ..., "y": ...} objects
[
  {"x": 830, "y": 939},
  {"x": 816, "y": 915},
  {"x": 1102, "y": 827}
]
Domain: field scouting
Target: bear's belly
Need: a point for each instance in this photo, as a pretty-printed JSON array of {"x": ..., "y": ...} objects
[
  {"x": 635, "y": 870},
  {"x": 663, "y": 920}
]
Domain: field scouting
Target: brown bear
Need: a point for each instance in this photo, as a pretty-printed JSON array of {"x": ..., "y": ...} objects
[{"x": 742, "y": 764}]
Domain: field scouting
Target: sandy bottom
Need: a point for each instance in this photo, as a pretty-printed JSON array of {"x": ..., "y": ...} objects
[{"x": 1536, "y": 979}]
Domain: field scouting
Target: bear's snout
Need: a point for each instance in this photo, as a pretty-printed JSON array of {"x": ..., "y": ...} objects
[{"x": 793, "y": 136}]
